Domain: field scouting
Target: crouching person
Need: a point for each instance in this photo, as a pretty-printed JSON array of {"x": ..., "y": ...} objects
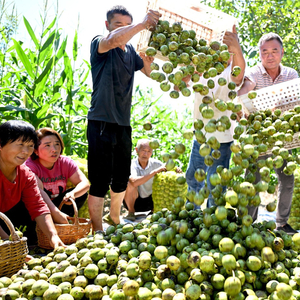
[{"x": 138, "y": 196}]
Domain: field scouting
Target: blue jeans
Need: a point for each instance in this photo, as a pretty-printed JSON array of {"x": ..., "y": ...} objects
[{"x": 197, "y": 161}]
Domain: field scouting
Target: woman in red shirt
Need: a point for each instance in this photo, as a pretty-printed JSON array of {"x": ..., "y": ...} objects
[
  {"x": 20, "y": 198},
  {"x": 53, "y": 171}
]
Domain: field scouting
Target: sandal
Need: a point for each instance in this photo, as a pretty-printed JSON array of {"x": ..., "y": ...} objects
[
  {"x": 130, "y": 216},
  {"x": 107, "y": 218}
]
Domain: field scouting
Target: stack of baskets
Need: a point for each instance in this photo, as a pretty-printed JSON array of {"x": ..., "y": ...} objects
[
  {"x": 68, "y": 233},
  {"x": 12, "y": 253}
]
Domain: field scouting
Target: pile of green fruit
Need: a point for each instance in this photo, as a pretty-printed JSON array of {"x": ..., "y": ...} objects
[
  {"x": 294, "y": 219},
  {"x": 169, "y": 189},
  {"x": 186, "y": 254},
  {"x": 185, "y": 56}
]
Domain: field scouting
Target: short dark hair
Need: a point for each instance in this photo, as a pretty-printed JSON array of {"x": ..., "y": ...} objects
[
  {"x": 46, "y": 131},
  {"x": 14, "y": 130},
  {"x": 269, "y": 37},
  {"x": 118, "y": 9}
]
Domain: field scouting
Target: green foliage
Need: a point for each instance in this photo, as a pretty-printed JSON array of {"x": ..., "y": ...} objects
[
  {"x": 259, "y": 17},
  {"x": 168, "y": 126},
  {"x": 43, "y": 86}
]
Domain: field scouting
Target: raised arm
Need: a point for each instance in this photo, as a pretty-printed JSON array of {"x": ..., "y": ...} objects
[
  {"x": 120, "y": 36},
  {"x": 232, "y": 41}
]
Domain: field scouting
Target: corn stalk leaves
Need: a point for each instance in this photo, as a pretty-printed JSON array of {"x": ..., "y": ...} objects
[
  {"x": 24, "y": 59},
  {"x": 12, "y": 108},
  {"x": 50, "y": 26},
  {"x": 31, "y": 32},
  {"x": 75, "y": 46}
]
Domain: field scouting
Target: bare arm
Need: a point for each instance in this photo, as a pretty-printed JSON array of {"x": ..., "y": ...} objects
[
  {"x": 3, "y": 234},
  {"x": 232, "y": 41},
  {"x": 58, "y": 216},
  {"x": 120, "y": 36},
  {"x": 147, "y": 62},
  {"x": 81, "y": 183},
  {"x": 246, "y": 87},
  {"x": 139, "y": 180},
  {"x": 45, "y": 223}
]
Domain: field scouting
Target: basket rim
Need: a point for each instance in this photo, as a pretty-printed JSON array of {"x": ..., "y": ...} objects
[{"x": 14, "y": 235}]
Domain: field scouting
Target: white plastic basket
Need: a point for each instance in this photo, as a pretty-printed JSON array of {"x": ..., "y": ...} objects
[
  {"x": 208, "y": 23},
  {"x": 283, "y": 95}
]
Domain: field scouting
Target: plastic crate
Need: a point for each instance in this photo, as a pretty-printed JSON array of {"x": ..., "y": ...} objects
[
  {"x": 295, "y": 143},
  {"x": 283, "y": 95},
  {"x": 208, "y": 23}
]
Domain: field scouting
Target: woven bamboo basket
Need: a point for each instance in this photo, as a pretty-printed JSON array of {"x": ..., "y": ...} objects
[
  {"x": 68, "y": 233},
  {"x": 12, "y": 253}
]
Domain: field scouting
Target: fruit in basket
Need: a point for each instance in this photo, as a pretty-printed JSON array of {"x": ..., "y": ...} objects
[{"x": 177, "y": 27}]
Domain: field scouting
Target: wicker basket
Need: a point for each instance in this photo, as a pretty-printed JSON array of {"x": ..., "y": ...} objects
[
  {"x": 12, "y": 253},
  {"x": 208, "y": 23},
  {"x": 68, "y": 233}
]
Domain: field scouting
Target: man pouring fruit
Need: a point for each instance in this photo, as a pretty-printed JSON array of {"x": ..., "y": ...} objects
[{"x": 269, "y": 72}]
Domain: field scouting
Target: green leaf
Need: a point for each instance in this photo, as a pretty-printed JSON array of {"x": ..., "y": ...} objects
[
  {"x": 61, "y": 50},
  {"x": 46, "y": 71},
  {"x": 24, "y": 59},
  {"x": 31, "y": 32},
  {"x": 12, "y": 108},
  {"x": 144, "y": 117},
  {"x": 75, "y": 46},
  {"x": 49, "y": 41},
  {"x": 49, "y": 27},
  {"x": 252, "y": 54},
  {"x": 41, "y": 111}
]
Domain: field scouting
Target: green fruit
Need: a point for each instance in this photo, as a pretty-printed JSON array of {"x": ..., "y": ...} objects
[
  {"x": 154, "y": 66},
  {"x": 167, "y": 67},
  {"x": 174, "y": 94},
  {"x": 170, "y": 165},
  {"x": 236, "y": 70},
  {"x": 252, "y": 95},
  {"x": 154, "y": 144},
  {"x": 150, "y": 51},
  {"x": 165, "y": 86}
]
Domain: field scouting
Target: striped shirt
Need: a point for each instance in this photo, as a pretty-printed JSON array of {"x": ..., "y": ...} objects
[{"x": 261, "y": 78}]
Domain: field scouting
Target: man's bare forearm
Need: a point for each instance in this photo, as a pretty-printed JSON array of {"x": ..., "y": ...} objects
[{"x": 119, "y": 37}]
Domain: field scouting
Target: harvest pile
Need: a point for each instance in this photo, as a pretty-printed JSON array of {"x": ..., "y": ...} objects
[
  {"x": 190, "y": 254},
  {"x": 178, "y": 252},
  {"x": 294, "y": 219}
]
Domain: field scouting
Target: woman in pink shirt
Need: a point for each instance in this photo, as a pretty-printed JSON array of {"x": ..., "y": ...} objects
[
  {"x": 53, "y": 170},
  {"x": 20, "y": 198}
]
